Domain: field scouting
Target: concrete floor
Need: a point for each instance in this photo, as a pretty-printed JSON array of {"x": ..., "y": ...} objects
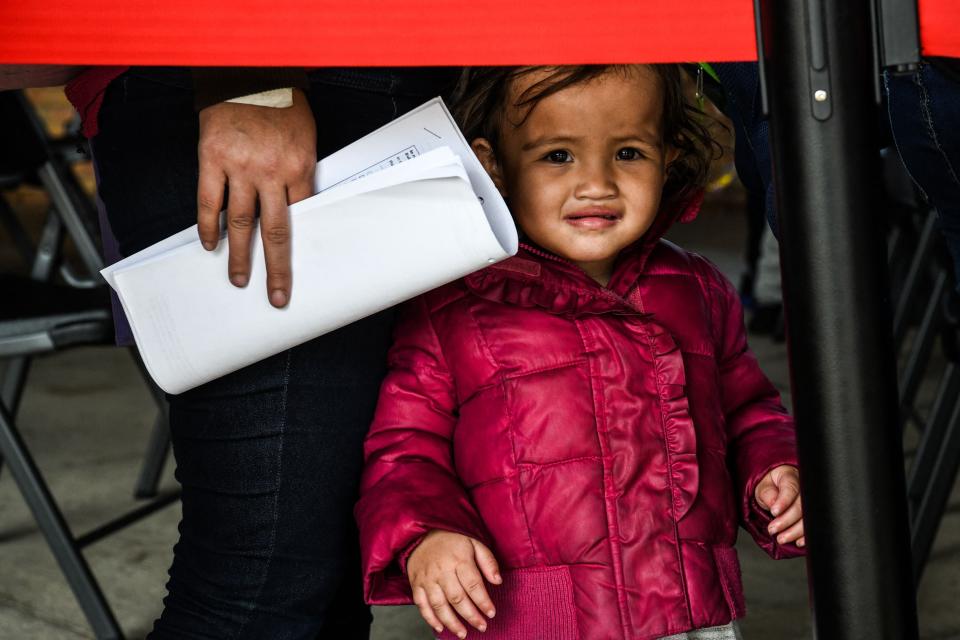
[{"x": 86, "y": 416}]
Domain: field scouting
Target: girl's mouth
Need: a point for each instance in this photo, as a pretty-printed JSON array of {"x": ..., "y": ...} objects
[{"x": 593, "y": 218}]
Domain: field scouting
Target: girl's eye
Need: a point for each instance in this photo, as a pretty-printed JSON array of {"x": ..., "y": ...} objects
[
  {"x": 558, "y": 156},
  {"x": 629, "y": 154}
]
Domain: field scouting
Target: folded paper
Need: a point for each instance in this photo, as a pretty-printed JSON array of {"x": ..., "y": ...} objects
[{"x": 399, "y": 212}]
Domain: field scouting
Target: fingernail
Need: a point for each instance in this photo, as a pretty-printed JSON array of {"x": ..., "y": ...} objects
[
  {"x": 278, "y": 297},
  {"x": 497, "y": 577},
  {"x": 491, "y": 613},
  {"x": 438, "y": 629},
  {"x": 239, "y": 279},
  {"x": 781, "y": 539},
  {"x": 482, "y": 627},
  {"x": 772, "y": 529},
  {"x": 775, "y": 510},
  {"x": 209, "y": 246},
  {"x": 462, "y": 635}
]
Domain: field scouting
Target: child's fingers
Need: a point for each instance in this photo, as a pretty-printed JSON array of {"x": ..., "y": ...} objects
[
  {"x": 788, "y": 518},
  {"x": 793, "y": 533},
  {"x": 472, "y": 583},
  {"x": 766, "y": 492},
  {"x": 441, "y": 608},
  {"x": 487, "y": 562},
  {"x": 789, "y": 493},
  {"x": 457, "y": 596},
  {"x": 426, "y": 611}
]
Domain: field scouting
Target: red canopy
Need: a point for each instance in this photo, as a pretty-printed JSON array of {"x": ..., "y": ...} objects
[{"x": 397, "y": 32}]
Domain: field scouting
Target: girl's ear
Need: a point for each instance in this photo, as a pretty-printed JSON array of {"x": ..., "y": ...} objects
[
  {"x": 671, "y": 155},
  {"x": 484, "y": 151}
]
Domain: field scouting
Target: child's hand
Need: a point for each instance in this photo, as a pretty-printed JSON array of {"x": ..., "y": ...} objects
[
  {"x": 443, "y": 571},
  {"x": 779, "y": 493}
]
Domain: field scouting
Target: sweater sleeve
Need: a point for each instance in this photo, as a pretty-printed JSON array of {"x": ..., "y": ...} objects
[
  {"x": 760, "y": 432},
  {"x": 212, "y": 85},
  {"x": 409, "y": 483}
]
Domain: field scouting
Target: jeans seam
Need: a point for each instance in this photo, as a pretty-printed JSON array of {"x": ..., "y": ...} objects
[
  {"x": 276, "y": 503},
  {"x": 896, "y": 144},
  {"x": 928, "y": 121}
]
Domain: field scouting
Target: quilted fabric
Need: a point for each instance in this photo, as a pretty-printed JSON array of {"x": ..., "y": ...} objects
[{"x": 614, "y": 433}]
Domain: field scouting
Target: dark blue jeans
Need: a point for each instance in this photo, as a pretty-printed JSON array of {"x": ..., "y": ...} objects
[
  {"x": 269, "y": 457},
  {"x": 924, "y": 110},
  {"x": 741, "y": 82}
]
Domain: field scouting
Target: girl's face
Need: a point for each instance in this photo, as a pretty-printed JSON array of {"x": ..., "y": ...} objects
[{"x": 585, "y": 170}]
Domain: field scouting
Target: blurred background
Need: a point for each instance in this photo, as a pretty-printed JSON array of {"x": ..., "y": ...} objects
[{"x": 94, "y": 426}]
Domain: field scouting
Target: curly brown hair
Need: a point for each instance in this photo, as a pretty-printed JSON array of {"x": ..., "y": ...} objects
[{"x": 480, "y": 105}]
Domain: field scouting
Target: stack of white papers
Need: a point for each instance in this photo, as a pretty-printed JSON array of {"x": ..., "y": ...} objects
[{"x": 399, "y": 212}]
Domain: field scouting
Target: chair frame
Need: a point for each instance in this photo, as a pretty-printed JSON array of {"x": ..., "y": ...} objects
[{"x": 67, "y": 218}]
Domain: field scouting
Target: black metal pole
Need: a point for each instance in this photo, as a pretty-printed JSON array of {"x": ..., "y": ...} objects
[{"x": 820, "y": 77}]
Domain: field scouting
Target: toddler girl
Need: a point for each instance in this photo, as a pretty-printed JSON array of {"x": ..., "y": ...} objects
[{"x": 566, "y": 440}]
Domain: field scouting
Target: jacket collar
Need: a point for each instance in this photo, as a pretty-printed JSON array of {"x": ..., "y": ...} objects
[{"x": 538, "y": 278}]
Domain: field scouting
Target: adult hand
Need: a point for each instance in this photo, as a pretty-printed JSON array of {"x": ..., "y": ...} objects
[
  {"x": 445, "y": 569},
  {"x": 779, "y": 493},
  {"x": 266, "y": 156}
]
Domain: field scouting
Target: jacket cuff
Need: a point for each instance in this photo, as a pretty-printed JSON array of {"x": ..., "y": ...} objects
[
  {"x": 756, "y": 519},
  {"x": 406, "y": 553},
  {"x": 392, "y": 526},
  {"x": 212, "y": 85}
]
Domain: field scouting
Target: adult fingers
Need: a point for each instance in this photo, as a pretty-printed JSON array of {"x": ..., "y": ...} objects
[
  {"x": 793, "y": 533},
  {"x": 426, "y": 611},
  {"x": 487, "y": 562},
  {"x": 457, "y": 596},
  {"x": 472, "y": 583},
  {"x": 302, "y": 188},
  {"x": 275, "y": 233},
  {"x": 442, "y": 610},
  {"x": 209, "y": 203},
  {"x": 240, "y": 222}
]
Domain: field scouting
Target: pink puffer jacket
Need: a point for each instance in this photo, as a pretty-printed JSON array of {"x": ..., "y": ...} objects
[{"x": 604, "y": 442}]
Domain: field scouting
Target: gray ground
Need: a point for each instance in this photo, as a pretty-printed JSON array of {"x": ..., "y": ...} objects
[{"x": 86, "y": 417}]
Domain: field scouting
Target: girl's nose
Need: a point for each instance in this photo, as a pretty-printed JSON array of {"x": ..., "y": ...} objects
[{"x": 596, "y": 182}]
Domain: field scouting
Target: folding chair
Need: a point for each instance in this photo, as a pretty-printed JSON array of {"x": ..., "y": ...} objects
[
  {"x": 37, "y": 317},
  {"x": 30, "y": 156},
  {"x": 929, "y": 289},
  {"x": 926, "y": 312}
]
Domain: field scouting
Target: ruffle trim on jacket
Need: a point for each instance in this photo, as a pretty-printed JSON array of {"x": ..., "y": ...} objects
[
  {"x": 506, "y": 283},
  {"x": 514, "y": 284},
  {"x": 678, "y": 429}
]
